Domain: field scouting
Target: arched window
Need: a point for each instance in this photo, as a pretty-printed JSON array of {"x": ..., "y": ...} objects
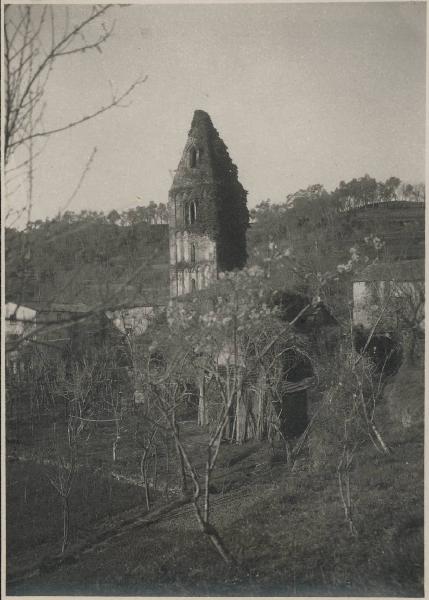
[
  {"x": 179, "y": 247},
  {"x": 192, "y": 253},
  {"x": 192, "y": 158},
  {"x": 192, "y": 213},
  {"x": 180, "y": 283},
  {"x": 194, "y": 284}
]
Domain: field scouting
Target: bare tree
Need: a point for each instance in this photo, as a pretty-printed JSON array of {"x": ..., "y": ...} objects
[
  {"x": 168, "y": 395},
  {"x": 409, "y": 305},
  {"x": 35, "y": 38},
  {"x": 222, "y": 350},
  {"x": 147, "y": 442},
  {"x": 61, "y": 476},
  {"x": 398, "y": 304},
  {"x": 64, "y": 465}
]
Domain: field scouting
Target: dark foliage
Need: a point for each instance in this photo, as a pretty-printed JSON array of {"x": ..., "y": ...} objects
[
  {"x": 207, "y": 176},
  {"x": 85, "y": 258},
  {"x": 384, "y": 349},
  {"x": 321, "y": 226}
]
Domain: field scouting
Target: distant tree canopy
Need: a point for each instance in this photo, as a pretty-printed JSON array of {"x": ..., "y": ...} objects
[
  {"x": 80, "y": 256},
  {"x": 315, "y": 217},
  {"x": 86, "y": 256},
  {"x": 319, "y": 228}
]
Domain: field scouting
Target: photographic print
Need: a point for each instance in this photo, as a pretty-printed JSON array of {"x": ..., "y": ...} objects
[{"x": 214, "y": 250}]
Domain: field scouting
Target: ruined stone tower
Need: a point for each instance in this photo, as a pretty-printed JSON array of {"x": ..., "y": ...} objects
[{"x": 207, "y": 210}]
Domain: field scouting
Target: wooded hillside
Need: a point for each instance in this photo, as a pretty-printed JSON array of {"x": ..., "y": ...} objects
[{"x": 87, "y": 258}]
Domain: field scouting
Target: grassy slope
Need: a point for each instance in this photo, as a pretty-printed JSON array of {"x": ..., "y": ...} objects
[{"x": 286, "y": 529}]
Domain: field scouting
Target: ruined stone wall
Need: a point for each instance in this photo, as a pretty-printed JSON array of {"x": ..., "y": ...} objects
[
  {"x": 193, "y": 255},
  {"x": 208, "y": 216}
]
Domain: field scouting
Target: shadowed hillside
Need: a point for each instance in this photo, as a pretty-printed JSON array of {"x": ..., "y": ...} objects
[{"x": 89, "y": 261}]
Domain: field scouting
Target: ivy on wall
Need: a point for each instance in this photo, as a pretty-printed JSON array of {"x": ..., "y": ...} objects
[
  {"x": 220, "y": 198},
  {"x": 232, "y": 212}
]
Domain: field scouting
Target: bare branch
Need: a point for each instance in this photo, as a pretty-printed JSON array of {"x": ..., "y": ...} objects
[
  {"x": 29, "y": 60},
  {"x": 81, "y": 180},
  {"x": 103, "y": 109}
]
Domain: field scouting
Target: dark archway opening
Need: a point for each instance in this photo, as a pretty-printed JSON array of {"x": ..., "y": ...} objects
[
  {"x": 293, "y": 408},
  {"x": 384, "y": 349},
  {"x": 294, "y": 418}
]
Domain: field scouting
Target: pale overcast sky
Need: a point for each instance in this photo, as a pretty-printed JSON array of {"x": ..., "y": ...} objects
[{"x": 300, "y": 94}]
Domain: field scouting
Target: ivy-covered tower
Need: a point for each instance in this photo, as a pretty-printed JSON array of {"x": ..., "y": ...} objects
[{"x": 207, "y": 211}]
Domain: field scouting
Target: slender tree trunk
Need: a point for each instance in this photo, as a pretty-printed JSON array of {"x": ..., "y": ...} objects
[
  {"x": 261, "y": 421},
  {"x": 371, "y": 425},
  {"x": 232, "y": 428},
  {"x": 217, "y": 542},
  {"x": 155, "y": 469},
  {"x": 207, "y": 488},
  {"x": 205, "y": 526},
  {"x": 180, "y": 457},
  {"x": 167, "y": 468},
  {"x": 210, "y": 530},
  {"x": 185, "y": 464},
  {"x": 66, "y": 523},
  {"x": 241, "y": 413},
  {"x": 117, "y": 438},
  {"x": 344, "y": 487},
  {"x": 380, "y": 440},
  {"x": 343, "y": 472},
  {"x": 202, "y": 405},
  {"x": 143, "y": 472},
  {"x": 146, "y": 490}
]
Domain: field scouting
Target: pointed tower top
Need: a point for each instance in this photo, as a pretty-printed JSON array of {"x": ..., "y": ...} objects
[
  {"x": 201, "y": 114},
  {"x": 208, "y": 215},
  {"x": 201, "y": 117},
  {"x": 205, "y": 158},
  {"x": 196, "y": 162}
]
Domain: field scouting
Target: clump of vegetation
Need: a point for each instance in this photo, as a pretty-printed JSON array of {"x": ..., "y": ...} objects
[
  {"x": 197, "y": 423},
  {"x": 90, "y": 257}
]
